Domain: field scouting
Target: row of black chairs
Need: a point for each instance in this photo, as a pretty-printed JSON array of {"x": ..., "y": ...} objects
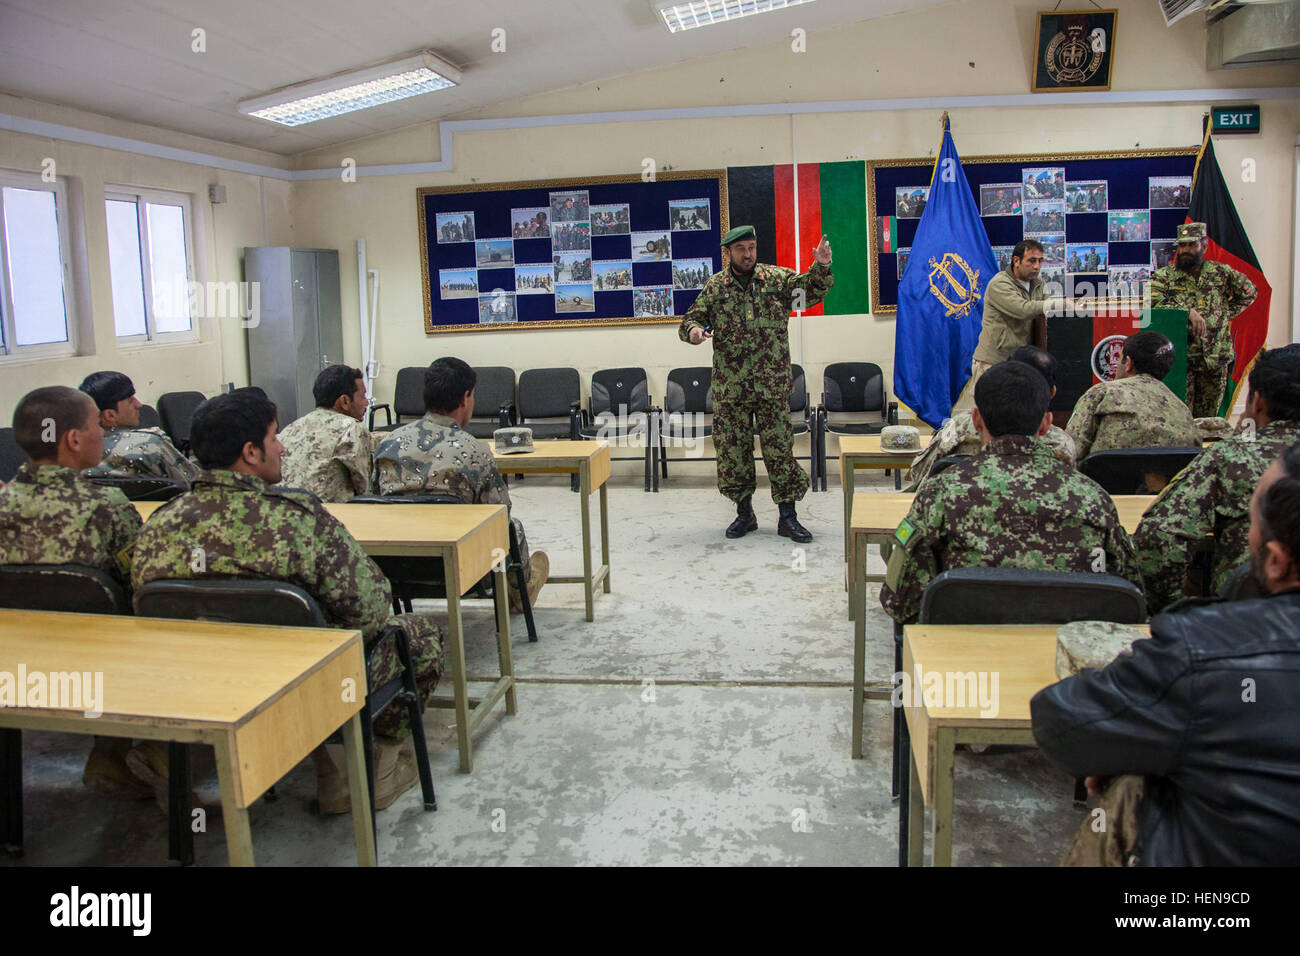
[{"x": 1121, "y": 471}]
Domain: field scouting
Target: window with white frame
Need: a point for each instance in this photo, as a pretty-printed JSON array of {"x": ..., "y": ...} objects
[
  {"x": 151, "y": 263},
  {"x": 36, "y": 300}
]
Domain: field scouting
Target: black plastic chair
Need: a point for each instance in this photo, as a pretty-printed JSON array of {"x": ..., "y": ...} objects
[
  {"x": 149, "y": 417},
  {"x": 494, "y": 400},
  {"x": 1011, "y": 596},
  {"x": 420, "y": 578},
  {"x": 138, "y": 488},
  {"x": 12, "y": 455},
  {"x": 689, "y": 396},
  {"x": 944, "y": 463},
  {"x": 176, "y": 411},
  {"x": 408, "y": 399},
  {"x": 551, "y": 394},
  {"x": 805, "y": 420},
  {"x": 1136, "y": 471},
  {"x": 619, "y": 408},
  {"x": 855, "y": 388},
  {"x": 1242, "y": 585},
  {"x": 73, "y": 588},
  {"x": 254, "y": 601}
]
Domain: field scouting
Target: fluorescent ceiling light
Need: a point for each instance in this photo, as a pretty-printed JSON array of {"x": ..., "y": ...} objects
[
  {"x": 687, "y": 16},
  {"x": 354, "y": 90}
]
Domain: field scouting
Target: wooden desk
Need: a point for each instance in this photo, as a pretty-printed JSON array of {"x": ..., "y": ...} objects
[
  {"x": 875, "y": 518},
  {"x": 469, "y": 539},
  {"x": 263, "y": 697},
  {"x": 1024, "y": 660},
  {"x": 589, "y": 460},
  {"x": 863, "y": 451}
]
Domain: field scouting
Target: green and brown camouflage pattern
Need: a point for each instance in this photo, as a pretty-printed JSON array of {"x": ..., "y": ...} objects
[
  {"x": 957, "y": 436},
  {"x": 1218, "y": 292},
  {"x": 1135, "y": 412},
  {"x": 231, "y": 524},
  {"x": 1210, "y": 496},
  {"x": 1012, "y": 505},
  {"x": 327, "y": 453},
  {"x": 51, "y": 515}
]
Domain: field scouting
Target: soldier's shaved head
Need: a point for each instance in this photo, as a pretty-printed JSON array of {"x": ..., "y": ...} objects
[
  {"x": 45, "y": 415},
  {"x": 1012, "y": 399}
]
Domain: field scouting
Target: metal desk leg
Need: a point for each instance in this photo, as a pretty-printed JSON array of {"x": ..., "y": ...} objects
[
  {"x": 239, "y": 839},
  {"x": 859, "y": 653},
  {"x": 945, "y": 746},
  {"x": 604, "y": 534},
  {"x": 846, "y": 482},
  {"x": 915, "y": 812},
  {"x": 584, "y": 492},
  {"x": 11, "y": 791},
  {"x": 180, "y": 834},
  {"x": 903, "y": 768},
  {"x": 504, "y": 659},
  {"x": 456, "y": 658},
  {"x": 363, "y": 820}
]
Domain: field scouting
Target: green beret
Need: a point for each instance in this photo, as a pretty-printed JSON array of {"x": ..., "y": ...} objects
[{"x": 738, "y": 233}]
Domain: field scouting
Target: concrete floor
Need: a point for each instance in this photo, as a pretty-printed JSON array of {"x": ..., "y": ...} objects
[{"x": 702, "y": 718}]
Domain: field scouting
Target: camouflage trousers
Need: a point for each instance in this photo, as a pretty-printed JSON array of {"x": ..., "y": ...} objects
[
  {"x": 734, "y": 424},
  {"x": 1205, "y": 387},
  {"x": 525, "y": 555},
  {"x": 977, "y": 368},
  {"x": 1107, "y": 839},
  {"x": 424, "y": 637}
]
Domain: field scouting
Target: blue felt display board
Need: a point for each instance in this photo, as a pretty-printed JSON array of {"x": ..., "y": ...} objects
[
  {"x": 1126, "y": 174},
  {"x": 491, "y": 206}
]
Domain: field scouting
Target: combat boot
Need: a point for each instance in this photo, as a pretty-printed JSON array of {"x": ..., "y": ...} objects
[
  {"x": 789, "y": 526},
  {"x": 745, "y": 520}
]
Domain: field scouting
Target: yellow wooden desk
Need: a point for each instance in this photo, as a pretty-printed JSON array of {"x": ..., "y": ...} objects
[
  {"x": 589, "y": 460},
  {"x": 875, "y": 518},
  {"x": 863, "y": 451},
  {"x": 469, "y": 539},
  {"x": 263, "y": 697},
  {"x": 1024, "y": 660}
]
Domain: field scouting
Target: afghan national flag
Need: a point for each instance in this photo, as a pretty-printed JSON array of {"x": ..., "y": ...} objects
[
  {"x": 832, "y": 201},
  {"x": 1212, "y": 204},
  {"x": 1088, "y": 349}
]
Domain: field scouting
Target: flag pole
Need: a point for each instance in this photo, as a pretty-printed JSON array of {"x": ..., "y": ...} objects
[
  {"x": 1200, "y": 153},
  {"x": 943, "y": 128}
]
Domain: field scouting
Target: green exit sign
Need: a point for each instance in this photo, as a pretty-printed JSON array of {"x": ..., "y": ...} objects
[{"x": 1235, "y": 119}]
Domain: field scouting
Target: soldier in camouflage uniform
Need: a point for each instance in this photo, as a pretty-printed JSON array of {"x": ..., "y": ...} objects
[
  {"x": 233, "y": 523},
  {"x": 1136, "y": 410},
  {"x": 1212, "y": 294},
  {"x": 1212, "y": 494},
  {"x": 49, "y": 514},
  {"x": 436, "y": 455},
  {"x": 746, "y": 309},
  {"x": 1012, "y": 505},
  {"x": 328, "y": 451},
  {"x": 129, "y": 449},
  {"x": 958, "y": 436}
]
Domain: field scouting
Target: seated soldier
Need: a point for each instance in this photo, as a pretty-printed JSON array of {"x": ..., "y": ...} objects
[
  {"x": 1012, "y": 505},
  {"x": 49, "y": 514},
  {"x": 957, "y": 436},
  {"x": 1212, "y": 494},
  {"x": 328, "y": 451},
  {"x": 1136, "y": 410},
  {"x": 1190, "y": 740},
  {"x": 128, "y": 448},
  {"x": 435, "y": 455},
  {"x": 233, "y": 523}
]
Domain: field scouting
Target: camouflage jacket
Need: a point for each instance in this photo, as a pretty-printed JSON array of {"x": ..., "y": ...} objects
[
  {"x": 751, "y": 328},
  {"x": 1209, "y": 496},
  {"x": 957, "y": 436},
  {"x": 327, "y": 453},
  {"x": 145, "y": 453},
  {"x": 51, "y": 515},
  {"x": 230, "y": 524},
  {"x": 1012, "y": 505},
  {"x": 1218, "y": 292},
  {"x": 1135, "y": 412},
  {"x": 436, "y": 456}
]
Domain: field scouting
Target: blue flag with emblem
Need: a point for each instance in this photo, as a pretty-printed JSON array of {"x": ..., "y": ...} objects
[{"x": 941, "y": 295}]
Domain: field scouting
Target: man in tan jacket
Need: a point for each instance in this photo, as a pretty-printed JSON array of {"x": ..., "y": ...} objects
[{"x": 1013, "y": 300}]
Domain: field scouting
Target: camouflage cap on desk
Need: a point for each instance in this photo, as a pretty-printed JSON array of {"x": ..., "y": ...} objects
[
  {"x": 1084, "y": 644},
  {"x": 1191, "y": 232},
  {"x": 900, "y": 438},
  {"x": 513, "y": 441},
  {"x": 738, "y": 233}
]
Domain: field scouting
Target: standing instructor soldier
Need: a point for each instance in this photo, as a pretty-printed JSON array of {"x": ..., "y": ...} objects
[{"x": 746, "y": 309}]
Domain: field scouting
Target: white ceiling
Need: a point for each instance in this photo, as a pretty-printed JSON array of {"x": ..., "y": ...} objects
[{"x": 132, "y": 59}]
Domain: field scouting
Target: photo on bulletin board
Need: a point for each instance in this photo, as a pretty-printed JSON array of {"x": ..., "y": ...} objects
[
  {"x": 1074, "y": 50},
  {"x": 1065, "y": 201},
  {"x": 569, "y": 253}
]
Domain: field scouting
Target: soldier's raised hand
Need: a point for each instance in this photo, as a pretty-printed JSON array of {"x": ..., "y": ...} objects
[
  {"x": 698, "y": 335},
  {"x": 823, "y": 251}
]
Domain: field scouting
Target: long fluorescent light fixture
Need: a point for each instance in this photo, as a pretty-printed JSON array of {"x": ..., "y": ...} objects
[
  {"x": 687, "y": 16},
  {"x": 354, "y": 90}
]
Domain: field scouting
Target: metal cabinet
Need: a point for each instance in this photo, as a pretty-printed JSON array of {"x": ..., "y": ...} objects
[{"x": 300, "y": 324}]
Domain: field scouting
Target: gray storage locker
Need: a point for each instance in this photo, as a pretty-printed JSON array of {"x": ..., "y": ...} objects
[{"x": 301, "y": 326}]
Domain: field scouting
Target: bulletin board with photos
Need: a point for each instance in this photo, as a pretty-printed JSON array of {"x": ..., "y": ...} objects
[
  {"x": 605, "y": 250},
  {"x": 1101, "y": 217}
]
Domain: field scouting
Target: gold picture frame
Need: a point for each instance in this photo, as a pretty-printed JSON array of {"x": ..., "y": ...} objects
[
  {"x": 1039, "y": 159},
  {"x": 722, "y": 224},
  {"x": 1070, "y": 51}
]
